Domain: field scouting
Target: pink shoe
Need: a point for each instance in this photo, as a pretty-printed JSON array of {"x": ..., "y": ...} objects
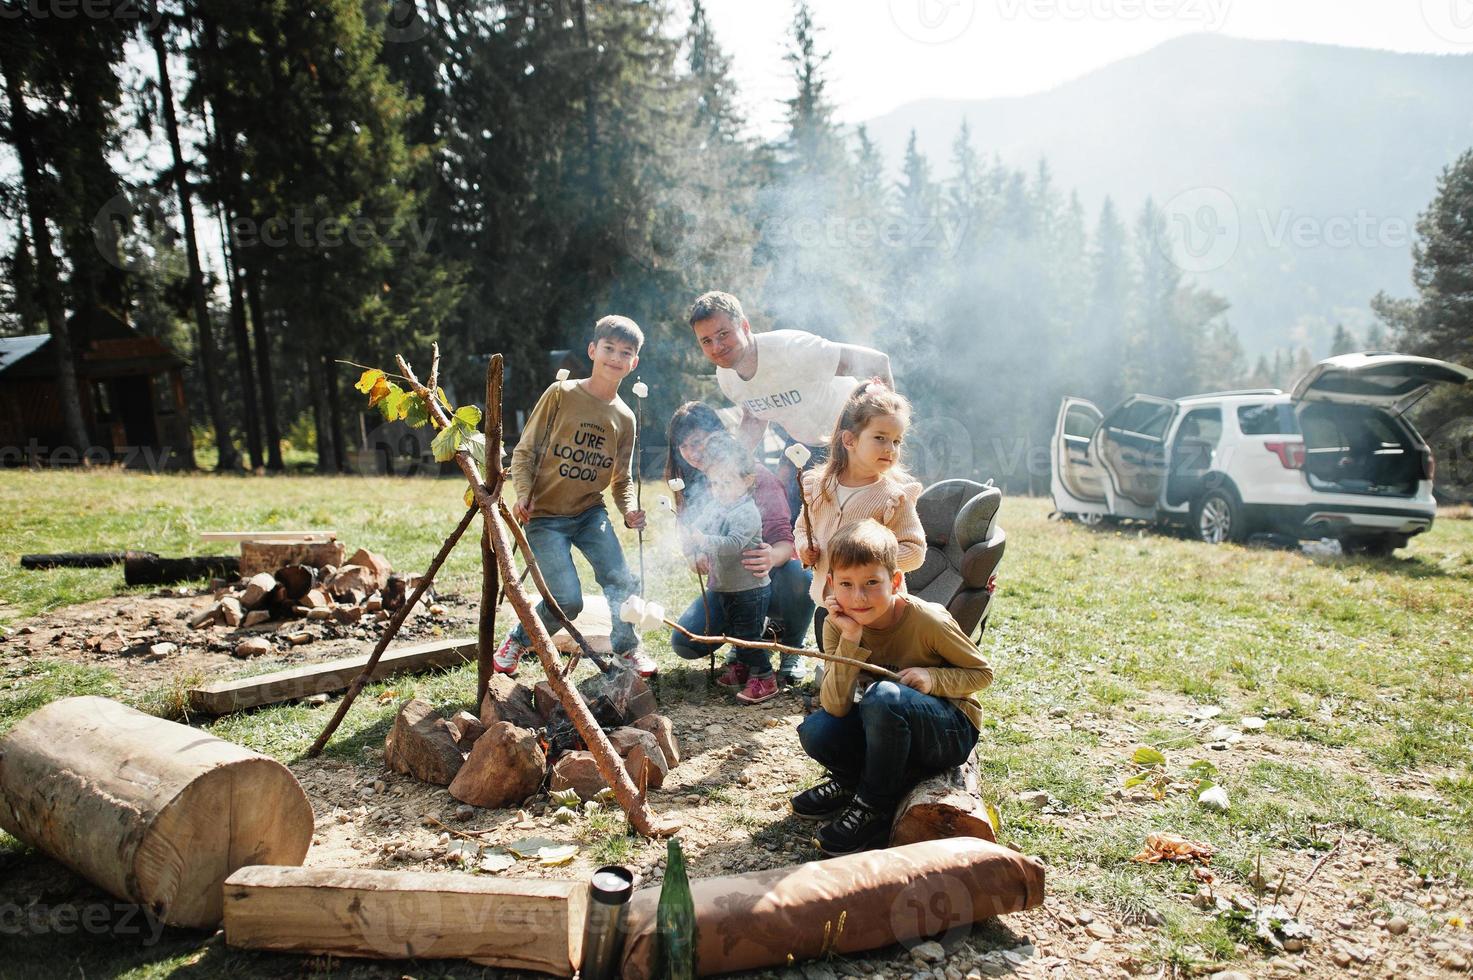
[
  {"x": 759, "y": 689},
  {"x": 735, "y": 676},
  {"x": 508, "y": 656}
]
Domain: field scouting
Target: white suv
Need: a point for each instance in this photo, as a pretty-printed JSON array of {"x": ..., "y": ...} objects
[{"x": 1332, "y": 458}]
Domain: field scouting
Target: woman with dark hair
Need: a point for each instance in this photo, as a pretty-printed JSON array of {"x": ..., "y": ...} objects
[{"x": 692, "y": 430}]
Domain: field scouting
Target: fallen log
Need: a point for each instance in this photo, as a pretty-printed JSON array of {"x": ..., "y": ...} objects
[
  {"x": 516, "y": 925},
  {"x": 268, "y": 556},
  {"x": 329, "y": 677},
  {"x": 152, "y": 811},
  {"x": 78, "y": 559},
  {"x": 147, "y": 569},
  {"x": 946, "y": 805}
]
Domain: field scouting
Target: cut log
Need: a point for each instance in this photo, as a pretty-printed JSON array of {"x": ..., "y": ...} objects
[
  {"x": 144, "y": 569},
  {"x": 947, "y": 805},
  {"x": 268, "y": 556},
  {"x": 330, "y": 677},
  {"x": 296, "y": 580},
  {"x": 515, "y": 925},
  {"x": 152, "y": 811}
]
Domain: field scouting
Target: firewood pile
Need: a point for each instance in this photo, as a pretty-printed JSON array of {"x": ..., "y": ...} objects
[
  {"x": 319, "y": 586},
  {"x": 523, "y": 741}
]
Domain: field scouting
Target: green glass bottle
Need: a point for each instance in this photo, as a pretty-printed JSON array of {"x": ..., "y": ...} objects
[{"x": 675, "y": 919}]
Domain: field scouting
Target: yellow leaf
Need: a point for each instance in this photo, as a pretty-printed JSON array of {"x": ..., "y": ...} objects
[
  {"x": 381, "y": 390},
  {"x": 368, "y": 379}
]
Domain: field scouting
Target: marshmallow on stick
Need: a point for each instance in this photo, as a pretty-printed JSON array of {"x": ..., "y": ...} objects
[{"x": 799, "y": 456}]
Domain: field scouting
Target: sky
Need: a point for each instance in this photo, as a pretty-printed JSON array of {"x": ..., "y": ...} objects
[{"x": 885, "y": 53}]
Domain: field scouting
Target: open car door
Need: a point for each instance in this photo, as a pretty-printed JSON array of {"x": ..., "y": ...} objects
[
  {"x": 1130, "y": 447},
  {"x": 1393, "y": 382},
  {"x": 1077, "y": 484}
]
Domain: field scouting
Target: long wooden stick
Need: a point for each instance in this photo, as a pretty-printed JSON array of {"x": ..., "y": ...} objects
[
  {"x": 390, "y": 631},
  {"x": 834, "y": 658},
  {"x": 490, "y": 574},
  {"x": 607, "y": 761}
]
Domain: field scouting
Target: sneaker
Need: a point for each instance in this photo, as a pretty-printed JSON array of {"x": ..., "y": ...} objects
[
  {"x": 508, "y": 656},
  {"x": 791, "y": 672},
  {"x": 858, "y": 828},
  {"x": 735, "y": 676},
  {"x": 823, "y": 801},
  {"x": 640, "y": 662},
  {"x": 758, "y": 689}
]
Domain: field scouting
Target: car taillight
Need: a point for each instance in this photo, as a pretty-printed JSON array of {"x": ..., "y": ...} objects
[
  {"x": 1291, "y": 454},
  {"x": 1429, "y": 465}
]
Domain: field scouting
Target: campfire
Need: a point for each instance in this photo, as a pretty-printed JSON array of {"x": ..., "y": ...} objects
[{"x": 524, "y": 740}]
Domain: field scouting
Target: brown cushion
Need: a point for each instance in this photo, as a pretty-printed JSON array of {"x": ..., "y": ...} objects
[{"x": 758, "y": 919}]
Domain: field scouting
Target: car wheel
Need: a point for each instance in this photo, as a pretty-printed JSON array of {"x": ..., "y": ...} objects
[
  {"x": 1217, "y": 517},
  {"x": 1090, "y": 520}
]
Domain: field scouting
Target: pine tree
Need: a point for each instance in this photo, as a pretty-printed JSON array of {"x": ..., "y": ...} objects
[{"x": 1343, "y": 342}]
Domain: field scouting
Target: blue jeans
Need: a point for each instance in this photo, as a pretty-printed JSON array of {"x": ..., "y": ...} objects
[
  {"x": 790, "y": 608},
  {"x": 552, "y": 540},
  {"x": 890, "y": 741},
  {"x": 745, "y": 614}
]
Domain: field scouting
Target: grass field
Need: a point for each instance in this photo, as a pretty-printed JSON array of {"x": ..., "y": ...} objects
[{"x": 1101, "y": 639}]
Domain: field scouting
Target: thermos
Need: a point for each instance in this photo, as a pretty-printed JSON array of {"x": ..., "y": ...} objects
[{"x": 603, "y": 933}]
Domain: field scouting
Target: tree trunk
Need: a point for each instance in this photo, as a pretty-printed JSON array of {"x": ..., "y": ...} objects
[
  {"x": 242, "y": 342},
  {"x": 154, "y": 812},
  {"x": 263, "y": 368},
  {"x": 320, "y": 425},
  {"x": 946, "y": 805},
  {"x": 335, "y": 414},
  {"x": 47, "y": 280},
  {"x": 208, "y": 355}
]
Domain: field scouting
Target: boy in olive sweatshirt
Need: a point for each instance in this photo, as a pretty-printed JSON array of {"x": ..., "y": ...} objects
[
  {"x": 579, "y": 442},
  {"x": 898, "y": 733}
]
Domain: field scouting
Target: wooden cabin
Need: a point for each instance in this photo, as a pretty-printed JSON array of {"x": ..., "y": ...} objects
[{"x": 132, "y": 393}]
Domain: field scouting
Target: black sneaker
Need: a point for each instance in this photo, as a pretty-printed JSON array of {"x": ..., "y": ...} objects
[
  {"x": 823, "y": 801},
  {"x": 858, "y": 828}
]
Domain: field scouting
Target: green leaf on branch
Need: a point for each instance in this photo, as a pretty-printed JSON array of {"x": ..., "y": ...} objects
[
  {"x": 1147, "y": 756},
  {"x": 368, "y": 379},
  {"x": 470, "y": 415},
  {"x": 416, "y": 412},
  {"x": 455, "y": 436},
  {"x": 440, "y": 394}
]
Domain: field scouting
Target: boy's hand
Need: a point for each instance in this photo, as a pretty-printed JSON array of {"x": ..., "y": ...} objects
[
  {"x": 810, "y": 556},
  {"x": 918, "y": 678},
  {"x": 849, "y": 628},
  {"x": 701, "y": 564},
  {"x": 522, "y": 511},
  {"x": 635, "y": 520}
]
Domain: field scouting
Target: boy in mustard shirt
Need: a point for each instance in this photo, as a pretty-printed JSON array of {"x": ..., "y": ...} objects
[
  {"x": 898, "y": 733},
  {"x": 579, "y": 442}
]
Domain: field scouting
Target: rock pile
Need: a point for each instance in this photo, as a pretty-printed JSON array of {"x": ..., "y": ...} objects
[{"x": 501, "y": 758}]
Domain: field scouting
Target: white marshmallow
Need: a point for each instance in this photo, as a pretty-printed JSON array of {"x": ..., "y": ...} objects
[
  {"x": 640, "y": 389},
  {"x": 677, "y": 484},
  {"x": 562, "y": 374},
  {"x": 798, "y": 454}
]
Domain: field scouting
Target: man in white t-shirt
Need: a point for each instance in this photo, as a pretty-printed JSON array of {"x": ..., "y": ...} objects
[{"x": 795, "y": 380}]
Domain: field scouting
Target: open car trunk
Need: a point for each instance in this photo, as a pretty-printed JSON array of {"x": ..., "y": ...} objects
[{"x": 1360, "y": 449}]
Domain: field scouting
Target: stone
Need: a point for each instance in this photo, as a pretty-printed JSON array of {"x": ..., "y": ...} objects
[
  {"x": 817, "y": 971},
  {"x": 316, "y": 700},
  {"x": 464, "y": 812},
  {"x": 345, "y": 614},
  {"x": 1251, "y": 724},
  {"x": 1341, "y": 958},
  {"x": 505, "y": 766},
  {"x": 319, "y": 614},
  {"x": 200, "y": 620},
  {"x": 351, "y": 583},
  {"x": 578, "y": 771},
  {"x": 231, "y": 611},
  {"x": 258, "y": 589},
  {"x": 643, "y": 757},
  {"x": 1230, "y": 975},
  {"x": 315, "y": 599},
  {"x": 256, "y": 646},
  {"x": 439, "y": 611},
  {"x": 299, "y": 638},
  {"x": 546, "y": 700},
  {"x": 664, "y": 731},
  {"x": 422, "y": 744},
  {"x": 928, "y": 952},
  {"x": 1100, "y": 930},
  {"x": 714, "y": 730},
  {"x": 376, "y": 568},
  {"x": 1037, "y": 799},
  {"x": 469, "y": 727},
  {"x": 255, "y": 618},
  {"x": 1397, "y": 926},
  {"x": 161, "y": 650},
  {"x": 508, "y": 701}
]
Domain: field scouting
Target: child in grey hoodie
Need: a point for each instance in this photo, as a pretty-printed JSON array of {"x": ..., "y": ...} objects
[{"x": 719, "y": 529}]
